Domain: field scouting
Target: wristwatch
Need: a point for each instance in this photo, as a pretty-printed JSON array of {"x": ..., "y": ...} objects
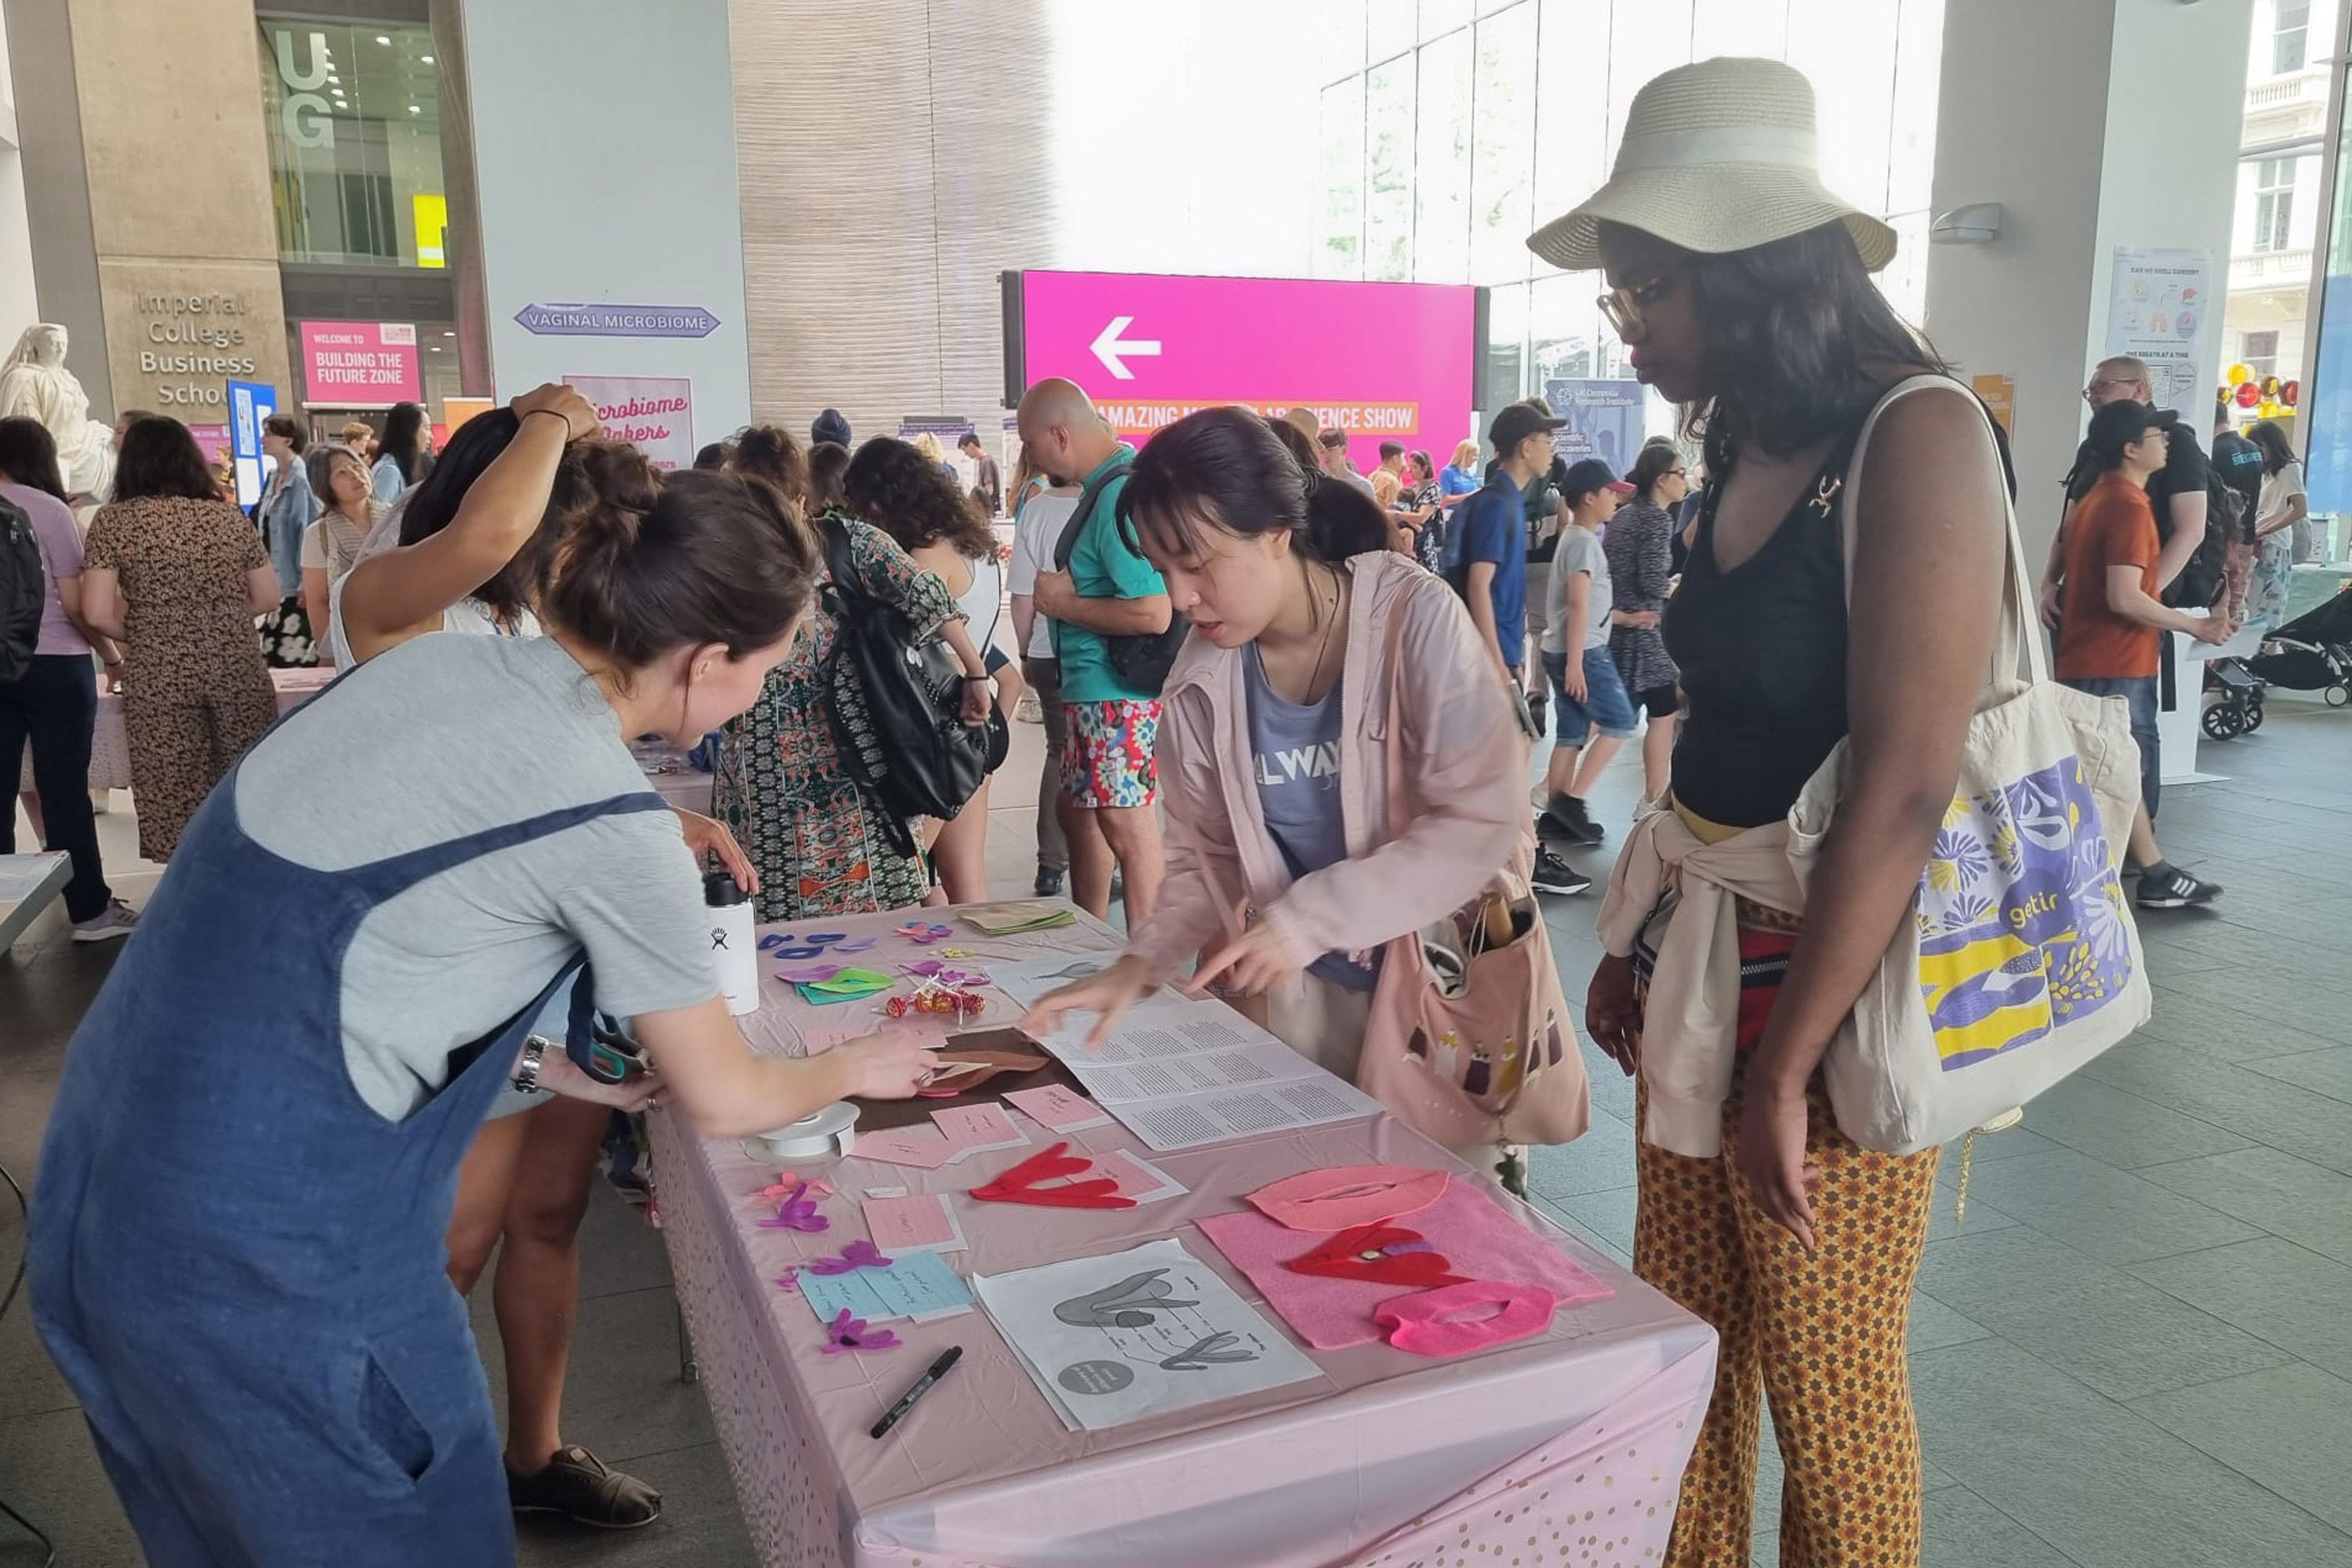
[{"x": 534, "y": 1049}]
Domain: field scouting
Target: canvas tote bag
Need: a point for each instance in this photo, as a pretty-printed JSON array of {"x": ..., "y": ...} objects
[
  {"x": 1486, "y": 1055},
  {"x": 2020, "y": 961}
]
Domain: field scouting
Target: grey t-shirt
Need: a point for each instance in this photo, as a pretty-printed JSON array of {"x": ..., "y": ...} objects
[
  {"x": 1295, "y": 759},
  {"x": 1579, "y": 551},
  {"x": 448, "y": 735}
]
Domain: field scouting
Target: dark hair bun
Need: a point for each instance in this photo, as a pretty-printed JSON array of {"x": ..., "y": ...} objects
[{"x": 654, "y": 564}]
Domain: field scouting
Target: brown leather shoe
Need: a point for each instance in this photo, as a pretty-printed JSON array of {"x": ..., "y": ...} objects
[{"x": 577, "y": 1485}]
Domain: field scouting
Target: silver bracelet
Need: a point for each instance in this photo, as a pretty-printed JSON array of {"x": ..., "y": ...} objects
[{"x": 534, "y": 1049}]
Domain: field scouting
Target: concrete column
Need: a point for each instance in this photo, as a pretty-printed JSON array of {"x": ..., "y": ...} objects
[
  {"x": 603, "y": 161},
  {"x": 2096, "y": 124},
  {"x": 147, "y": 184}
]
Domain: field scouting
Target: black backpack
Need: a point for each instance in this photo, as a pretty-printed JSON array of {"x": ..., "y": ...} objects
[
  {"x": 1141, "y": 659},
  {"x": 896, "y": 706},
  {"x": 2198, "y": 586},
  {"x": 22, "y": 593}
]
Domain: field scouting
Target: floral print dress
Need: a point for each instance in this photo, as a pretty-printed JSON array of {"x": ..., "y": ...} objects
[{"x": 820, "y": 844}]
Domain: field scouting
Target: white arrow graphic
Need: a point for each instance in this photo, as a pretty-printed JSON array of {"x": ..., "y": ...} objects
[{"x": 1109, "y": 346}]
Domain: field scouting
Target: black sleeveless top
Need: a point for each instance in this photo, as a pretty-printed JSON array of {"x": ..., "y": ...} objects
[{"x": 1762, "y": 650}]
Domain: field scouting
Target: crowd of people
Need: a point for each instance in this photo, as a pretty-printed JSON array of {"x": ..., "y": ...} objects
[{"x": 1291, "y": 710}]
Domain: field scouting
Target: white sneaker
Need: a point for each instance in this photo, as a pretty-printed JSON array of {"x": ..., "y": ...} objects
[{"x": 110, "y": 923}]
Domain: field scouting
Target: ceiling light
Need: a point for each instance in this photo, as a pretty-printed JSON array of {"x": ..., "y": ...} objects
[
  {"x": 415, "y": 108},
  {"x": 426, "y": 58},
  {"x": 433, "y": 347},
  {"x": 332, "y": 77},
  {"x": 382, "y": 38}
]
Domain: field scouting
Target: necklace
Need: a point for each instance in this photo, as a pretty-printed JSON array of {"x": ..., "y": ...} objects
[{"x": 1331, "y": 619}]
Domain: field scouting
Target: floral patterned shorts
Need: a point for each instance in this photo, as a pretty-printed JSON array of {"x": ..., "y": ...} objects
[{"x": 1109, "y": 757}]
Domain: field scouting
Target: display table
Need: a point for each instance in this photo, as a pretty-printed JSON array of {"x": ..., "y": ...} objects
[
  {"x": 1568, "y": 1446},
  {"x": 110, "y": 747},
  {"x": 28, "y": 884}
]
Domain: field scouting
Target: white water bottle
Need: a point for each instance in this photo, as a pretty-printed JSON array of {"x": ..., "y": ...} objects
[{"x": 734, "y": 948}]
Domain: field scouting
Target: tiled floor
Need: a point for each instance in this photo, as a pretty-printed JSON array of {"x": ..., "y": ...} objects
[{"x": 2138, "y": 1350}]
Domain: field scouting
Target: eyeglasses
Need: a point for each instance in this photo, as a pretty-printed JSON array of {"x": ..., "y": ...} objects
[
  {"x": 1624, "y": 309},
  {"x": 2090, "y": 392}
]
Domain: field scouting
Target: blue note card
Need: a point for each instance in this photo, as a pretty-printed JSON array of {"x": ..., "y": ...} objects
[{"x": 917, "y": 1286}]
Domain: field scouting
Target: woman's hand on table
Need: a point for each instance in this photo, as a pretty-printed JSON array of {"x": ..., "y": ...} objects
[
  {"x": 558, "y": 1074},
  {"x": 892, "y": 1065},
  {"x": 1612, "y": 1013},
  {"x": 707, "y": 835},
  {"x": 1109, "y": 992},
  {"x": 1251, "y": 964}
]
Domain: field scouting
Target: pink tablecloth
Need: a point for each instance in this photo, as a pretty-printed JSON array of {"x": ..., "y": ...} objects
[
  {"x": 1571, "y": 1443},
  {"x": 109, "y": 749}
]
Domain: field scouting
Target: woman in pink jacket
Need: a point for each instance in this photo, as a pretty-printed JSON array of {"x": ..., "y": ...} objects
[{"x": 1274, "y": 748}]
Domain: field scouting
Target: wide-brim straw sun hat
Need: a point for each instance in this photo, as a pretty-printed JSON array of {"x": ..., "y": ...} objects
[{"x": 1717, "y": 156}]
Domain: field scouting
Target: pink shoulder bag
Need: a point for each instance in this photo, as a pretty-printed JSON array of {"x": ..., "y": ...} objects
[{"x": 1469, "y": 1041}]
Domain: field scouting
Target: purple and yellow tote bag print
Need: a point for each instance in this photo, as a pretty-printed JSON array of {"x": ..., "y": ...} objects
[{"x": 2022, "y": 920}]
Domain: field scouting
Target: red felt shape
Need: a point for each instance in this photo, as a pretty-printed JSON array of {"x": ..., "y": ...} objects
[
  {"x": 1362, "y": 1253},
  {"x": 1019, "y": 1184}
]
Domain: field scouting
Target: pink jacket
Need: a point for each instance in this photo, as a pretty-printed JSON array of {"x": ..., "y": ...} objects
[{"x": 1464, "y": 764}]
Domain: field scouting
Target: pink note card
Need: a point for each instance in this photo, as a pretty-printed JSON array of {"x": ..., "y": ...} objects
[
  {"x": 975, "y": 1129},
  {"x": 1062, "y": 1109},
  {"x": 921, "y": 1147},
  {"x": 919, "y": 1224},
  {"x": 1138, "y": 1178}
]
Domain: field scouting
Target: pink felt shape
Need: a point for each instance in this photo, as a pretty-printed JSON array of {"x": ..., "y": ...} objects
[
  {"x": 1345, "y": 1197},
  {"x": 1456, "y": 1320},
  {"x": 846, "y": 1333},
  {"x": 1467, "y": 1227},
  {"x": 809, "y": 973}
]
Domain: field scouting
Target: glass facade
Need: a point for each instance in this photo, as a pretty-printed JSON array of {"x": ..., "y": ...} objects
[
  {"x": 1441, "y": 152},
  {"x": 353, "y": 119}
]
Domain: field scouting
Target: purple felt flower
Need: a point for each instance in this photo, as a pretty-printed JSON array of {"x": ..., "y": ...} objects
[{"x": 856, "y": 1255}]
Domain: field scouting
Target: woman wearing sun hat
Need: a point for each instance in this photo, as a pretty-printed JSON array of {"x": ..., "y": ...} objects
[{"x": 1740, "y": 287}]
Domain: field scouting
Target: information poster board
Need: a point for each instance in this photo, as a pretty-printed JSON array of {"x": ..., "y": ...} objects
[
  {"x": 653, "y": 413},
  {"x": 2161, "y": 307},
  {"x": 249, "y": 403},
  {"x": 1605, "y": 420}
]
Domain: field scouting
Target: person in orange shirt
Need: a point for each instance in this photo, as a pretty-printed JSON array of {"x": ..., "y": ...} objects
[{"x": 2109, "y": 617}]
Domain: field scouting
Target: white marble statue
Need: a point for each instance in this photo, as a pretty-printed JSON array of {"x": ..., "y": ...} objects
[{"x": 34, "y": 382}]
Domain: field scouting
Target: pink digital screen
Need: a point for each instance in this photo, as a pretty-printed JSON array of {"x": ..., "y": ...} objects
[
  {"x": 1385, "y": 361},
  {"x": 360, "y": 364}
]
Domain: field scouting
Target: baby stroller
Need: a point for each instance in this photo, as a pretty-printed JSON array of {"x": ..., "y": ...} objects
[
  {"x": 2236, "y": 707},
  {"x": 2312, "y": 653}
]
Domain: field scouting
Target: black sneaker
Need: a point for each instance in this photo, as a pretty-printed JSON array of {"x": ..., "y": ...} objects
[
  {"x": 2176, "y": 890},
  {"x": 1048, "y": 883},
  {"x": 576, "y": 1485},
  {"x": 1554, "y": 875},
  {"x": 1569, "y": 820}
]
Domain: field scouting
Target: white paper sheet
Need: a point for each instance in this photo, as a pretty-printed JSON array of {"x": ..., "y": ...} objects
[
  {"x": 1140, "y": 1332},
  {"x": 1181, "y": 1071}
]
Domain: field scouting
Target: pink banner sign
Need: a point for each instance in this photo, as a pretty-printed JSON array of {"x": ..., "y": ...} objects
[
  {"x": 1385, "y": 361},
  {"x": 360, "y": 364},
  {"x": 655, "y": 413}
]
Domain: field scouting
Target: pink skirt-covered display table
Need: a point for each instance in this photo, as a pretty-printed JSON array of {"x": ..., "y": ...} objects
[
  {"x": 1563, "y": 1448},
  {"x": 110, "y": 747}
]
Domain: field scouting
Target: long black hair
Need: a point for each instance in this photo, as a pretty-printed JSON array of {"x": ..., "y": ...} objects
[
  {"x": 1224, "y": 469},
  {"x": 404, "y": 439},
  {"x": 2277, "y": 451},
  {"x": 428, "y": 508},
  {"x": 1798, "y": 342},
  {"x": 28, "y": 455}
]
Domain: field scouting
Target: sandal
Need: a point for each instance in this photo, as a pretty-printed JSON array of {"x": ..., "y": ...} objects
[{"x": 577, "y": 1485}]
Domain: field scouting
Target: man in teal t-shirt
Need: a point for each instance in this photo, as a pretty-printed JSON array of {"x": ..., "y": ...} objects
[{"x": 1109, "y": 774}]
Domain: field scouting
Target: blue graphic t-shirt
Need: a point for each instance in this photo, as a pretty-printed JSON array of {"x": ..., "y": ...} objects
[{"x": 1295, "y": 761}]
